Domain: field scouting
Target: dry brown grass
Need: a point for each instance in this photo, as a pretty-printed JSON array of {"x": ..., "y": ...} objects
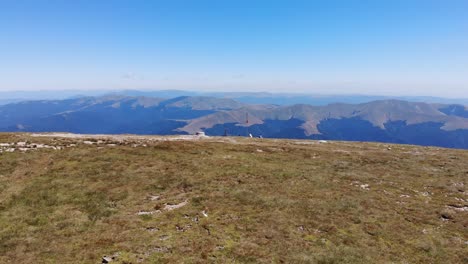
[{"x": 267, "y": 201}]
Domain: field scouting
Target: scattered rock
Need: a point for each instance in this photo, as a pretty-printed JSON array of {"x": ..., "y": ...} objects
[
  {"x": 364, "y": 186},
  {"x": 106, "y": 259},
  {"x": 170, "y": 207},
  {"x": 152, "y": 229},
  {"x": 154, "y": 197},
  {"x": 25, "y": 146},
  {"x": 447, "y": 214},
  {"x": 148, "y": 212},
  {"x": 219, "y": 247},
  {"x": 459, "y": 208},
  {"x": 161, "y": 249},
  {"x": 164, "y": 237},
  {"x": 204, "y": 213},
  {"x": 183, "y": 228}
]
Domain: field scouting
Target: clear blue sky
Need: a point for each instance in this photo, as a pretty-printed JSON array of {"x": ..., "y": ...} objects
[{"x": 393, "y": 47}]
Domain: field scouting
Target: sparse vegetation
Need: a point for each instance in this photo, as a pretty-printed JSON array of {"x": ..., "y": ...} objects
[{"x": 247, "y": 201}]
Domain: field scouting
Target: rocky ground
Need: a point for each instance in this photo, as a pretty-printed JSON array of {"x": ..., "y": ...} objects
[{"x": 193, "y": 199}]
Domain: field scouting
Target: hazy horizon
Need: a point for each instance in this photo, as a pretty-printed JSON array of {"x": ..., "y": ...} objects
[
  {"x": 171, "y": 93},
  {"x": 384, "y": 48}
]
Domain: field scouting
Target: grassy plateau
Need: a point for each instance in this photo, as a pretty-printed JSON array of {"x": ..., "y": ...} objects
[{"x": 145, "y": 199}]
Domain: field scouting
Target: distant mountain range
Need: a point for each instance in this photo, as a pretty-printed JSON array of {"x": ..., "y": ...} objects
[
  {"x": 394, "y": 121},
  {"x": 244, "y": 97}
]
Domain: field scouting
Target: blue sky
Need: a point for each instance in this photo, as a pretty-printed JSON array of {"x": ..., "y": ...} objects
[{"x": 392, "y": 47}]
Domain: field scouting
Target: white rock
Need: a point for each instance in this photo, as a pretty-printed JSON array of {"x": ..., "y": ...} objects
[
  {"x": 154, "y": 197},
  {"x": 364, "y": 186},
  {"x": 170, "y": 207},
  {"x": 460, "y": 209},
  {"x": 106, "y": 259},
  {"x": 147, "y": 212}
]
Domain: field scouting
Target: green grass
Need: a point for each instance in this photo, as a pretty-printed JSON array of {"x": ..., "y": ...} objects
[{"x": 290, "y": 203}]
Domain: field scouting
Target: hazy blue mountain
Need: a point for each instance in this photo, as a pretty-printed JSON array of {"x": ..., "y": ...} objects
[
  {"x": 393, "y": 121},
  {"x": 9, "y": 101},
  {"x": 109, "y": 114},
  {"x": 291, "y": 98},
  {"x": 244, "y": 97},
  {"x": 48, "y": 94},
  {"x": 455, "y": 110}
]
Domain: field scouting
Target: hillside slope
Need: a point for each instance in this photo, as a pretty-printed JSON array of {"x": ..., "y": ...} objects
[
  {"x": 391, "y": 121},
  {"x": 75, "y": 199},
  {"x": 109, "y": 114},
  {"x": 377, "y": 113}
]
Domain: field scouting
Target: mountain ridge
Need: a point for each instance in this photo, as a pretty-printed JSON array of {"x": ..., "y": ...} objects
[
  {"x": 378, "y": 112},
  {"x": 394, "y": 121}
]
